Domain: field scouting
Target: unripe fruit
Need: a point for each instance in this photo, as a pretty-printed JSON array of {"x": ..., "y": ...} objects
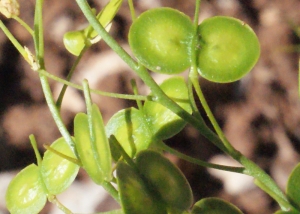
[
  {"x": 228, "y": 49},
  {"x": 160, "y": 39}
]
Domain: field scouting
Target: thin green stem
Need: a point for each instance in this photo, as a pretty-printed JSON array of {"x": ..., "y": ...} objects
[
  {"x": 136, "y": 92},
  {"x": 39, "y": 48},
  {"x": 24, "y": 24},
  {"x": 255, "y": 171},
  {"x": 200, "y": 162},
  {"x": 132, "y": 11},
  {"x": 14, "y": 41},
  {"x": 197, "y": 11},
  {"x": 229, "y": 147},
  {"x": 271, "y": 193},
  {"x": 38, "y": 33},
  {"x": 195, "y": 109},
  {"x": 35, "y": 149},
  {"x": 112, "y": 190},
  {"x": 64, "y": 88},
  {"x": 56, "y": 202},
  {"x": 56, "y": 115},
  {"x": 102, "y": 93},
  {"x": 73, "y": 160}
]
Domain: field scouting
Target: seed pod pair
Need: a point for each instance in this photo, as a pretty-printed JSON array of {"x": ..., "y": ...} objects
[{"x": 28, "y": 191}]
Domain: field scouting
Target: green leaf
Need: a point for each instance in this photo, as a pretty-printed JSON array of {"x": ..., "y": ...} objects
[
  {"x": 293, "y": 187},
  {"x": 25, "y": 193},
  {"x": 165, "y": 179},
  {"x": 163, "y": 122},
  {"x": 58, "y": 173},
  {"x": 135, "y": 196},
  {"x": 130, "y": 129},
  {"x": 214, "y": 206}
]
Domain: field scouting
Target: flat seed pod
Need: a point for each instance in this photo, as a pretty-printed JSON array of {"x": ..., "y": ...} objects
[
  {"x": 163, "y": 122},
  {"x": 135, "y": 196},
  {"x": 130, "y": 129},
  {"x": 84, "y": 148},
  {"x": 101, "y": 144},
  {"x": 25, "y": 193},
  {"x": 160, "y": 39},
  {"x": 214, "y": 206},
  {"x": 228, "y": 49},
  {"x": 166, "y": 179},
  {"x": 58, "y": 173}
]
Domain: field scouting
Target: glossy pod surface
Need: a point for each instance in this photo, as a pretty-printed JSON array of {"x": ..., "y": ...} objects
[
  {"x": 228, "y": 49},
  {"x": 58, "y": 173},
  {"x": 160, "y": 39},
  {"x": 25, "y": 193}
]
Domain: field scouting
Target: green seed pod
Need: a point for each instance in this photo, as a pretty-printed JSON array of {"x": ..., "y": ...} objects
[
  {"x": 58, "y": 173},
  {"x": 130, "y": 129},
  {"x": 160, "y": 39},
  {"x": 75, "y": 41},
  {"x": 163, "y": 122},
  {"x": 228, "y": 49},
  {"x": 214, "y": 206},
  {"x": 25, "y": 193},
  {"x": 94, "y": 153},
  {"x": 135, "y": 196},
  {"x": 166, "y": 179}
]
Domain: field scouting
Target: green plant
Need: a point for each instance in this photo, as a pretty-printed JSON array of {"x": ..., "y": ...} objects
[
  {"x": 229, "y": 49},
  {"x": 133, "y": 138}
]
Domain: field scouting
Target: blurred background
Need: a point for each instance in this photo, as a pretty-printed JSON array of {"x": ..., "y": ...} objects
[{"x": 260, "y": 114}]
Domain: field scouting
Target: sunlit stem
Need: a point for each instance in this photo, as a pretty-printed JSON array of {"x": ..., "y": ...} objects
[
  {"x": 54, "y": 200},
  {"x": 35, "y": 149},
  {"x": 135, "y": 91},
  {"x": 102, "y": 93},
  {"x": 14, "y": 41},
  {"x": 73, "y": 160},
  {"x": 200, "y": 162},
  {"x": 24, "y": 24},
  {"x": 132, "y": 10},
  {"x": 64, "y": 88},
  {"x": 39, "y": 48}
]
